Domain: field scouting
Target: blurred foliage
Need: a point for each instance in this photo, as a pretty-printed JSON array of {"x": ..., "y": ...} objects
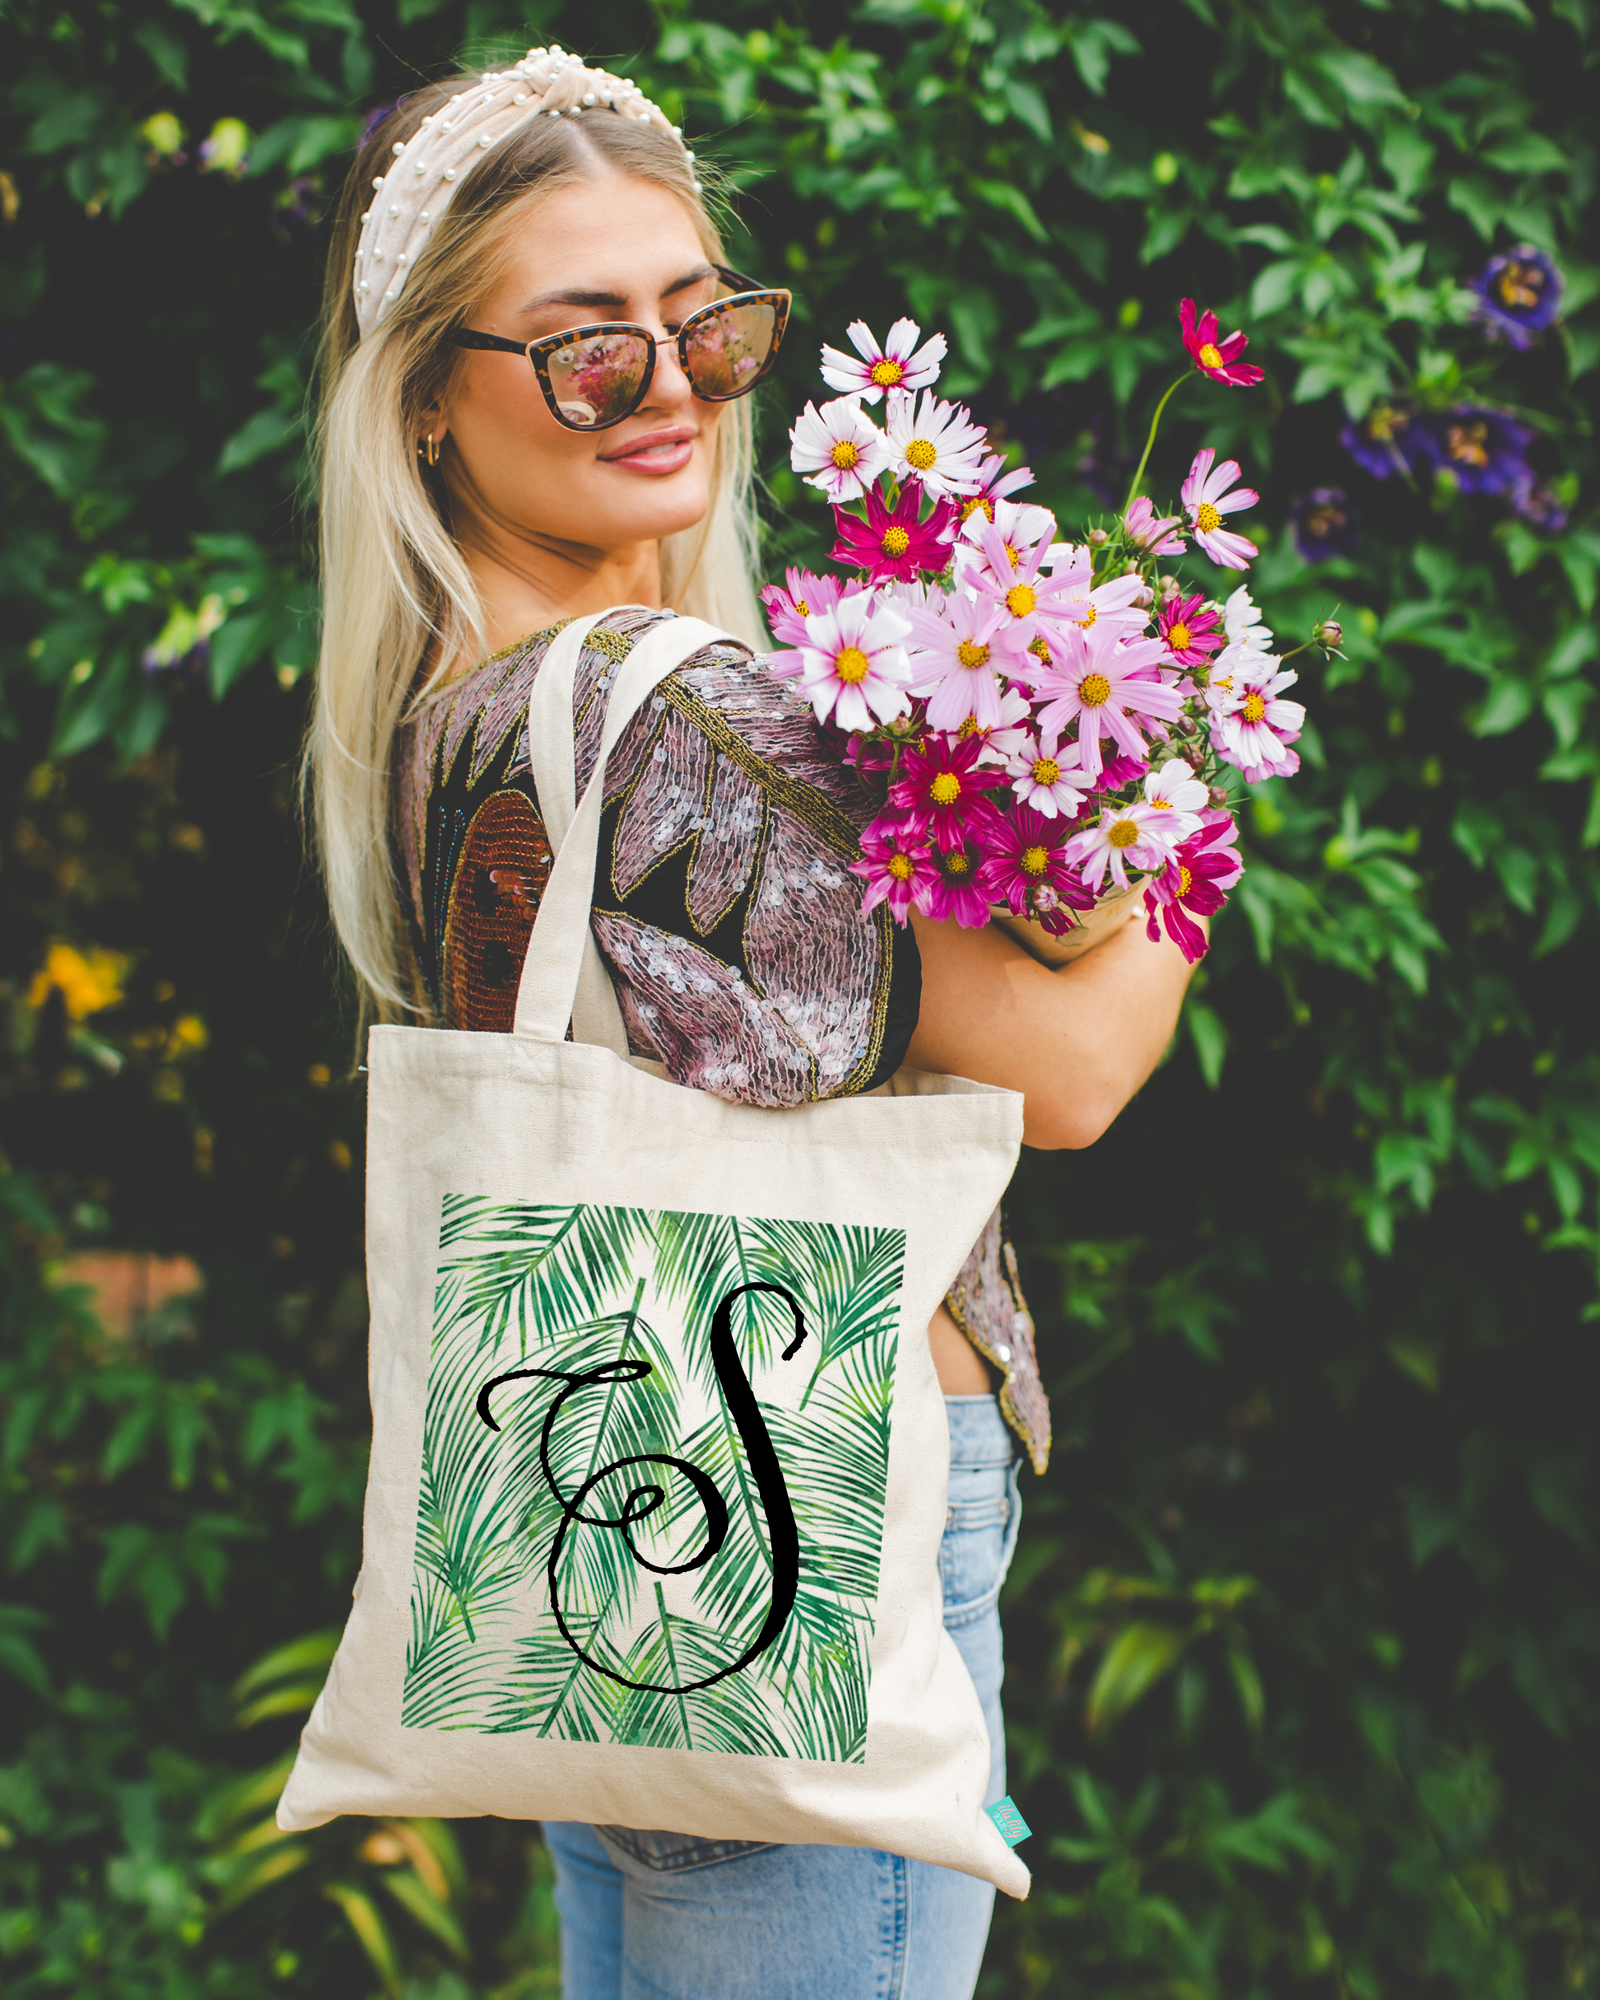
[{"x": 1305, "y": 1623}]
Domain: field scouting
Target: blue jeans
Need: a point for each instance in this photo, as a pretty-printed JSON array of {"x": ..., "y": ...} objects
[{"x": 672, "y": 1916}]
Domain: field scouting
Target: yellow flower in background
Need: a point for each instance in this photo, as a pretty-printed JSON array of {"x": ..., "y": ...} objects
[
  {"x": 227, "y": 149},
  {"x": 188, "y": 1033},
  {"x": 89, "y": 981},
  {"x": 163, "y": 134}
]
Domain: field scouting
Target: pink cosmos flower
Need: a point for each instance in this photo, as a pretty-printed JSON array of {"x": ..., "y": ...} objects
[
  {"x": 1255, "y": 728},
  {"x": 788, "y": 609},
  {"x": 943, "y": 789},
  {"x": 892, "y": 544},
  {"x": 994, "y": 485},
  {"x": 934, "y": 442},
  {"x": 1025, "y": 854},
  {"x": 893, "y": 365},
  {"x": 838, "y": 448},
  {"x": 1123, "y": 837},
  {"x": 1190, "y": 630},
  {"x": 1119, "y": 772},
  {"x": 897, "y": 869},
  {"x": 1102, "y": 685},
  {"x": 1013, "y": 583},
  {"x": 1196, "y": 879},
  {"x": 1213, "y": 357},
  {"x": 1206, "y": 495},
  {"x": 1151, "y": 533},
  {"x": 1047, "y": 778},
  {"x": 957, "y": 894},
  {"x": 1086, "y": 603},
  {"x": 953, "y": 662},
  {"x": 852, "y": 662}
]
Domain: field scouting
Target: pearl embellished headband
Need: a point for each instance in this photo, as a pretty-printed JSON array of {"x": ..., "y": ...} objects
[{"x": 429, "y": 167}]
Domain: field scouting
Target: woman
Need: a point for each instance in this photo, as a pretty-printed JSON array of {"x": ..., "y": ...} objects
[{"x": 471, "y": 503}]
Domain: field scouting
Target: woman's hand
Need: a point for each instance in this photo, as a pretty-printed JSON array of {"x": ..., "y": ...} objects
[{"x": 1078, "y": 1041}]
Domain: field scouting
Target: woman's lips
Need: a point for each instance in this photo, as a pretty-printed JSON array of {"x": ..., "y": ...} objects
[{"x": 656, "y": 452}]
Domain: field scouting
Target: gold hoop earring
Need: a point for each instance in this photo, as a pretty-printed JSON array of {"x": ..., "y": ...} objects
[{"x": 428, "y": 449}]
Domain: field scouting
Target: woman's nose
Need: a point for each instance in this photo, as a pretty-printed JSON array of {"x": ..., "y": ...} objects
[{"x": 670, "y": 385}]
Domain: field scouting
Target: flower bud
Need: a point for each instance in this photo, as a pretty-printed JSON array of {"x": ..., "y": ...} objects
[
  {"x": 1219, "y": 795},
  {"x": 1170, "y": 587},
  {"x": 1329, "y": 635},
  {"x": 1098, "y": 538},
  {"x": 1130, "y": 569},
  {"x": 1045, "y": 898}
]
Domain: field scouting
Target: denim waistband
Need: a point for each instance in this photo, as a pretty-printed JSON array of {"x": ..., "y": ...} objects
[{"x": 978, "y": 1433}]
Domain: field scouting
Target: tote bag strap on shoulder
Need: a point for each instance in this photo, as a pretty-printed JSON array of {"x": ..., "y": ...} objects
[{"x": 562, "y": 976}]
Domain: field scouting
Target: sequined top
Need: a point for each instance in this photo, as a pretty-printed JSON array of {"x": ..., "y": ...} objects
[{"x": 724, "y": 907}]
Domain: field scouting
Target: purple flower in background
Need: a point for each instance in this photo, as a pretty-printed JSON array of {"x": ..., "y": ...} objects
[
  {"x": 1482, "y": 447},
  {"x": 297, "y": 211},
  {"x": 1385, "y": 440},
  {"x": 1325, "y": 525},
  {"x": 377, "y": 119},
  {"x": 1539, "y": 505},
  {"x": 1519, "y": 294}
]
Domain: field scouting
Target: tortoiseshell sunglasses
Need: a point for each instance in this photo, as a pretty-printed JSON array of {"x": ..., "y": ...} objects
[{"x": 594, "y": 376}]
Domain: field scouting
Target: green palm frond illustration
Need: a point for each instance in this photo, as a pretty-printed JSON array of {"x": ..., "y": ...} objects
[{"x": 595, "y": 1554}]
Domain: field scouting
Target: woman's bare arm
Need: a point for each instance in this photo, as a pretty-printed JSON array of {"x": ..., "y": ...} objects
[{"x": 1078, "y": 1042}]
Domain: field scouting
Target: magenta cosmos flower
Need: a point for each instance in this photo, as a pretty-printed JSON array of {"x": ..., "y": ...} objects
[
  {"x": 1206, "y": 495},
  {"x": 788, "y": 609},
  {"x": 1026, "y": 858},
  {"x": 891, "y": 544},
  {"x": 1196, "y": 880},
  {"x": 943, "y": 789},
  {"x": 1191, "y": 631},
  {"x": 957, "y": 894},
  {"x": 1148, "y": 530},
  {"x": 1214, "y": 357},
  {"x": 896, "y": 867}
]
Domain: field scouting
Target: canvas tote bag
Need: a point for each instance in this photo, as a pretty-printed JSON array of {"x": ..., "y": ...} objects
[{"x": 659, "y": 1454}]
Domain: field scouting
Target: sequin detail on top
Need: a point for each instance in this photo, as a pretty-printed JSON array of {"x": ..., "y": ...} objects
[{"x": 724, "y": 905}]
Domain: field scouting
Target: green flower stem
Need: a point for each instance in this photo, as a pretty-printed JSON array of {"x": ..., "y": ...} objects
[{"x": 1133, "y": 490}]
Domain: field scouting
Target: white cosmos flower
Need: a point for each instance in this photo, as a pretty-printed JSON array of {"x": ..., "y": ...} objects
[
  {"x": 1048, "y": 778},
  {"x": 1087, "y": 603},
  {"x": 894, "y": 365},
  {"x": 838, "y": 448},
  {"x": 1257, "y": 725},
  {"x": 1243, "y": 623},
  {"x": 1123, "y": 837},
  {"x": 1019, "y": 525},
  {"x": 852, "y": 666},
  {"x": 1003, "y": 743},
  {"x": 936, "y": 443},
  {"x": 1177, "y": 792}
]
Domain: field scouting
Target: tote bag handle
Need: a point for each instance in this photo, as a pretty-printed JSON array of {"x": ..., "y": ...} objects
[{"x": 563, "y": 977}]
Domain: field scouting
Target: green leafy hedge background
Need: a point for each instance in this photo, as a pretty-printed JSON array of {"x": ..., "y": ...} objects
[{"x": 1304, "y": 1626}]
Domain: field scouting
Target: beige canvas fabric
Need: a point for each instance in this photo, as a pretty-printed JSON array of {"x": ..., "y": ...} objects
[{"x": 659, "y": 1453}]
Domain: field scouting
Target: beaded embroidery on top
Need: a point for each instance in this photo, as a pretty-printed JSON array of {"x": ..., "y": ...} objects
[{"x": 724, "y": 905}]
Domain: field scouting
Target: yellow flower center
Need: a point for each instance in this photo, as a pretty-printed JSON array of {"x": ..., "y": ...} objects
[
  {"x": 1254, "y": 707},
  {"x": 1040, "y": 649},
  {"x": 1178, "y": 638},
  {"x": 958, "y": 863},
  {"x": 1090, "y": 614},
  {"x": 1206, "y": 518},
  {"x": 900, "y": 867},
  {"x": 976, "y": 504},
  {"x": 970, "y": 727},
  {"x": 1020, "y": 600},
  {"x": 1208, "y": 357},
  {"x": 802, "y": 609},
  {"x": 920, "y": 455},
  {"x": 1012, "y": 556},
  {"x": 845, "y": 453},
  {"x": 1045, "y": 770},
  {"x": 1160, "y": 805},
  {"x": 1035, "y": 860},
  {"x": 1094, "y": 690},
  {"x": 1124, "y": 833},
  {"x": 1185, "y": 880},
  {"x": 972, "y": 656},
  {"x": 895, "y": 541},
  {"x": 945, "y": 789},
  {"x": 851, "y": 665},
  {"x": 887, "y": 374}
]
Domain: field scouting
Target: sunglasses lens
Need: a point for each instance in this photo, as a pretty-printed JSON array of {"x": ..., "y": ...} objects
[
  {"x": 730, "y": 347},
  {"x": 597, "y": 380}
]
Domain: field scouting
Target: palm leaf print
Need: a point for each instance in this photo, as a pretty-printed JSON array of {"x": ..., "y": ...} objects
[{"x": 598, "y": 1526}]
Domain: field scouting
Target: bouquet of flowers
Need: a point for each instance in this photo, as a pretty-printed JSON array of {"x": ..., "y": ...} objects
[{"x": 1044, "y": 722}]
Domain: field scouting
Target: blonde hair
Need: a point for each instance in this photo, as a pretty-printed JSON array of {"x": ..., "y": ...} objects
[{"x": 396, "y": 589}]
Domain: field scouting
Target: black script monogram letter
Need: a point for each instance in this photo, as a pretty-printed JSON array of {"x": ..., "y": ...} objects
[{"x": 643, "y": 1500}]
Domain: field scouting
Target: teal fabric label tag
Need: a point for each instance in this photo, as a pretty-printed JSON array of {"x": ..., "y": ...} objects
[{"x": 1012, "y": 1826}]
